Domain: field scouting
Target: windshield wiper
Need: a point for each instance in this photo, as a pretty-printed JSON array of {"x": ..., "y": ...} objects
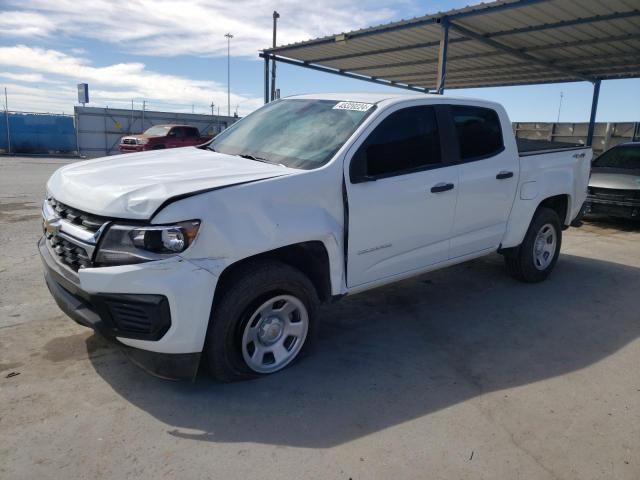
[{"x": 253, "y": 157}]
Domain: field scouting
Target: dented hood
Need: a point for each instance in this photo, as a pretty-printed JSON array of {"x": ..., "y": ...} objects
[{"x": 135, "y": 185}]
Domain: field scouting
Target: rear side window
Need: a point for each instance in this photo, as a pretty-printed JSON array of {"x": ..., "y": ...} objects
[
  {"x": 478, "y": 130},
  {"x": 191, "y": 132},
  {"x": 406, "y": 140}
]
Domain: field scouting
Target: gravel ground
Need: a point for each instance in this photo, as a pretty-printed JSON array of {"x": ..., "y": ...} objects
[{"x": 463, "y": 373}]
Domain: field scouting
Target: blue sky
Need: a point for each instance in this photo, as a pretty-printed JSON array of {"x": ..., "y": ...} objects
[{"x": 173, "y": 55}]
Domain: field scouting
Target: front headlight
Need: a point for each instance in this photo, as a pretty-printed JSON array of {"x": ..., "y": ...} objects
[
  {"x": 128, "y": 244},
  {"x": 142, "y": 141}
]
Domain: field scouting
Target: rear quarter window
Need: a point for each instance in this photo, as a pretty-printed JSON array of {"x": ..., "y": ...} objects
[{"x": 478, "y": 130}]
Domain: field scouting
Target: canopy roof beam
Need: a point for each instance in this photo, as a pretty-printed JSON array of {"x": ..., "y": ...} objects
[
  {"x": 517, "y": 53},
  {"x": 538, "y": 48},
  {"x": 354, "y": 76}
]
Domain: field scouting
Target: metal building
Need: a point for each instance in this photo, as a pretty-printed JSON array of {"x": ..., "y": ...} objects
[{"x": 501, "y": 43}]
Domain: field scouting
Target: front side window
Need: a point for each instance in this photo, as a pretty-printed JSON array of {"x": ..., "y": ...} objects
[
  {"x": 297, "y": 133},
  {"x": 405, "y": 141},
  {"x": 479, "y": 131}
]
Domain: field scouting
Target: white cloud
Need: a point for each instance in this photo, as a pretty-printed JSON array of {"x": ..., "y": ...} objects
[
  {"x": 114, "y": 85},
  {"x": 25, "y": 24},
  {"x": 169, "y": 28},
  {"x": 157, "y": 28},
  {"x": 23, "y": 77}
]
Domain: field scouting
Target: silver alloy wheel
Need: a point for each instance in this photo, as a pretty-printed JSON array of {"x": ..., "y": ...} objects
[
  {"x": 544, "y": 246},
  {"x": 275, "y": 334}
]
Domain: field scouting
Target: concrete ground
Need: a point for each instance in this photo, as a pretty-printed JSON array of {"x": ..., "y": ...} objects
[{"x": 459, "y": 374}]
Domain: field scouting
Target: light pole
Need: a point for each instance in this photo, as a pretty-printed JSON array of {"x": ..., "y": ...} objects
[
  {"x": 276, "y": 16},
  {"x": 229, "y": 37},
  {"x": 560, "y": 106}
]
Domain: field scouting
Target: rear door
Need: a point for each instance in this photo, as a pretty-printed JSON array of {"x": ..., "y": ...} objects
[
  {"x": 191, "y": 136},
  {"x": 488, "y": 179},
  {"x": 401, "y": 196}
]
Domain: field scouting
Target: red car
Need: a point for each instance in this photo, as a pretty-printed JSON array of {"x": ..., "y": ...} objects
[{"x": 162, "y": 136}]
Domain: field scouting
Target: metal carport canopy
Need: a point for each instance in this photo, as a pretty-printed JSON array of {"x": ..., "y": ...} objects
[{"x": 502, "y": 43}]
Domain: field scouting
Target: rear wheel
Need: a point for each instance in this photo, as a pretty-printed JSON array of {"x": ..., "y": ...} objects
[
  {"x": 535, "y": 258},
  {"x": 264, "y": 318}
]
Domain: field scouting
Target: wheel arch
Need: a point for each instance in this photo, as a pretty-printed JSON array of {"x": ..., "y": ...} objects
[
  {"x": 523, "y": 214},
  {"x": 311, "y": 258},
  {"x": 559, "y": 204}
]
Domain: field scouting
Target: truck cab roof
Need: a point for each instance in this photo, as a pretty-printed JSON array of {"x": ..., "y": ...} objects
[{"x": 389, "y": 97}]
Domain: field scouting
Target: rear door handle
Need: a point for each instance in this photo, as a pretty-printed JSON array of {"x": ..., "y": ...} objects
[
  {"x": 504, "y": 174},
  {"x": 441, "y": 187}
]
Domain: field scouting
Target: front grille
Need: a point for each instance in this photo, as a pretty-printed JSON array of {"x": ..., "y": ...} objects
[
  {"x": 68, "y": 253},
  {"x": 129, "y": 141},
  {"x": 86, "y": 220},
  {"x": 613, "y": 194}
]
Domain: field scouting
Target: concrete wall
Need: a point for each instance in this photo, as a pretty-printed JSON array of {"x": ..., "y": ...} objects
[
  {"x": 100, "y": 129},
  {"x": 606, "y": 135}
]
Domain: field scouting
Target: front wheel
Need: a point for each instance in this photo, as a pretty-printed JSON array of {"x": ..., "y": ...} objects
[
  {"x": 535, "y": 258},
  {"x": 264, "y": 318}
]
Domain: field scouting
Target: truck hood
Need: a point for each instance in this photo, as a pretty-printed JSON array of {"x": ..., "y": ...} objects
[
  {"x": 135, "y": 185},
  {"x": 623, "y": 181}
]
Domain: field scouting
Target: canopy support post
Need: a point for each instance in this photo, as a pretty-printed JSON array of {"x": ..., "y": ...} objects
[
  {"x": 442, "y": 55},
  {"x": 266, "y": 79},
  {"x": 594, "y": 109}
]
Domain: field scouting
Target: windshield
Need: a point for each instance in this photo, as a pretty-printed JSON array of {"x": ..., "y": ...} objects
[
  {"x": 157, "y": 131},
  {"x": 296, "y": 133},
  {"x": 627, "y": 157}
]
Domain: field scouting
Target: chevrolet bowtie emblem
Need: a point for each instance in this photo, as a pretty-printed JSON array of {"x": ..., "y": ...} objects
[{"x": 51, "y": 225}]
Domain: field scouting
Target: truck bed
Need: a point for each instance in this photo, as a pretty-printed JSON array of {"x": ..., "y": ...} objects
[{"x": 528, "y": 146}]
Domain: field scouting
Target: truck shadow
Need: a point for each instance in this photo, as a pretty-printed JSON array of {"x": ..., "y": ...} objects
[{"x": 404, "y": 351}]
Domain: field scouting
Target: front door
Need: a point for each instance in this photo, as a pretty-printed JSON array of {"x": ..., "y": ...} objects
[{"x": 401, "y": 197}]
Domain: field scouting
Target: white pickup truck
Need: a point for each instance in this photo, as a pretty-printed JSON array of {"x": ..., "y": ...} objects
[{"x": 222, "y": 253}]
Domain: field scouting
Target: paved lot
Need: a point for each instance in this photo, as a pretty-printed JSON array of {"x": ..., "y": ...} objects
[{"x": 462, "y": 373}]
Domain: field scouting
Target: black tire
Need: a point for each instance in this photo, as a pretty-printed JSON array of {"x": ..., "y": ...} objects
[
  {"x": 248, "y": 287},
  {"x": 521, "y": 262},
  {"x": 159, "y": 147}
]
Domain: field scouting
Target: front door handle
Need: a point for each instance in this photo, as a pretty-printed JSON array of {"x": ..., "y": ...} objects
[
  {"x": 504, "y": 174},
  {"x": 441, "y": 187}
]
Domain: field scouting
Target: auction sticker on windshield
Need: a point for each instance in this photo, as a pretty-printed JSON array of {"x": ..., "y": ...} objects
[{"x": 353, "y": 106}]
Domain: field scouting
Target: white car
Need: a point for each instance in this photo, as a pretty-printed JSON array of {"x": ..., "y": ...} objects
[{"x": 222, "y": 253}]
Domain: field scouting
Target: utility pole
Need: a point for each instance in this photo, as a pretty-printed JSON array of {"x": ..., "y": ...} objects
[
  {"x": 276, "y": 16},
  {"x": 229, "y": 37},
  {"x": 212, "y": 111},
  {"x": 6, "y": 114}
]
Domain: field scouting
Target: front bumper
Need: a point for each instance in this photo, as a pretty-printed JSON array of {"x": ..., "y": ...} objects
[
  {"x": 128, "y": 148},
  {"x": 161, "y": 326},
  {"x": 622, "y": 209}
]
